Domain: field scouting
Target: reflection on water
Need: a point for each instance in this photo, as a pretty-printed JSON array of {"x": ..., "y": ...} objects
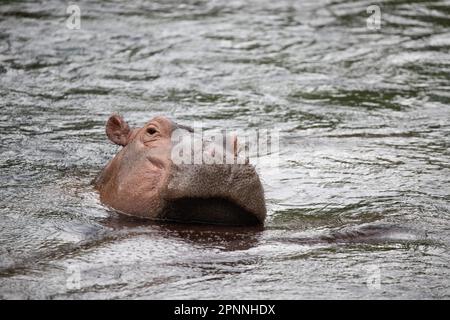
[{"x": 362, "y": 187}]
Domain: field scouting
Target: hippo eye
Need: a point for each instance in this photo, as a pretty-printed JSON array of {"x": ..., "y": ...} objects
[{"x": 151, "y": 130}]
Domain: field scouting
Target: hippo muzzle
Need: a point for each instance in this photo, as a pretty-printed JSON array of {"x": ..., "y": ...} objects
[
  {"x": 144, "y": 180},
  {"x": 214, "y": 193}
]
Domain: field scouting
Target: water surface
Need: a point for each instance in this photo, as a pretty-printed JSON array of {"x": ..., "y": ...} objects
[{"x": 358, "y": 208}]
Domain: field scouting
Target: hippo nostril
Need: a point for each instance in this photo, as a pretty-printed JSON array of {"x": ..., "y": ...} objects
[{"x": 214, "y": 192}]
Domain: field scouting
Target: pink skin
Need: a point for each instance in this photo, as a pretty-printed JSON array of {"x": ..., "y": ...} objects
[{"x": 133, "y": 180}]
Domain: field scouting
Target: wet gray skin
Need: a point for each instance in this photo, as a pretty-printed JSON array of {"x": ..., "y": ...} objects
[
  {"x": 214, "y": 194},
  {"x": 358, "y": 206},
  {"x": 226, "y": 193}
]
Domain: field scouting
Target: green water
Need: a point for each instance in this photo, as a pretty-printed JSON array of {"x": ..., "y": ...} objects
[{"x": 358, "y": 208}]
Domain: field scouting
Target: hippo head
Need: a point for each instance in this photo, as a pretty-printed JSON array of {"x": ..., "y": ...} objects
[{"x": 143, "y": 180}]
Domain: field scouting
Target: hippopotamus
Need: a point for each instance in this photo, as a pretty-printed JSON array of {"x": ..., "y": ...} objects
[{"x": 143, "y": 180}]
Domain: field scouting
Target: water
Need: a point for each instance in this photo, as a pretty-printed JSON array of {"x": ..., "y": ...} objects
[{"x": 358, "y": 208}]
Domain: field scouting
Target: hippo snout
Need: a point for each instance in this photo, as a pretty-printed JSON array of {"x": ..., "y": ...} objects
[{"x": 229, "y": 194}]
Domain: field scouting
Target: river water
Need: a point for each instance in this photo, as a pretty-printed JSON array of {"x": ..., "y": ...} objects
[{"x": 358, "y": 206}]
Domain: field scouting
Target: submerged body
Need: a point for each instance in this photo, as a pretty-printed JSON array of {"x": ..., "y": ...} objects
[{"x": 143, "y": 180}]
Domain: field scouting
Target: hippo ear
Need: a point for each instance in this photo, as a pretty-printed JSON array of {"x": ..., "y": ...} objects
[{"x": 117, "y": 130}]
